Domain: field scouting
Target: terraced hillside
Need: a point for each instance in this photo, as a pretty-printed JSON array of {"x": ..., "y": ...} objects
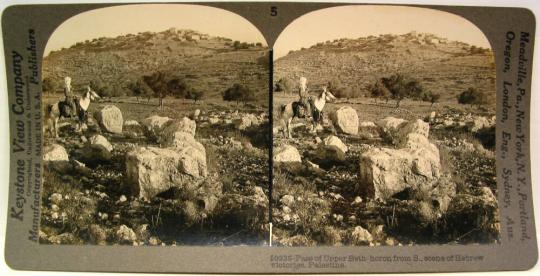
[
  {"x": 211, "y": 64},
  {"x": 443, "y": 66}
]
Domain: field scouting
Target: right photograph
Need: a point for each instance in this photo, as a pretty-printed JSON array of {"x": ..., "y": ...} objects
[{"x": 384, "y": 130}]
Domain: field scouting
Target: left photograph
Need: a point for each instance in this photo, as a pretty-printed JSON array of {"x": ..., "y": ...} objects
[{"x": 155, "y": 128}]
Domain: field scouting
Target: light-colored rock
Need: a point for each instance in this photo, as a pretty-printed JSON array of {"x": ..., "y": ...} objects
[
  {"x": 368, "y": 130},
  {"x": 286, "y": 153},
  {"x": 154, "y": 124},
  {"x": 125, "y": 234},
  {"x": 287, "y": 200},
  {"x": 214, "y": 120},
  {"x": 182, "y": 125},
  {"x": 110, "y": 119},
  {"x": 196, "y": 113},
  {"x": 345, "y": 120},
  {"x": 417, "y": 127},
  {"x": 132, "y": 129},
  {"x": 385, "y": 172},
  {"x": 479, "y": 123},
  {"x": 97, "y": 234},
  {"x": 54, "y": 153},
  {"x": 361, "y": 236},
  {"x": 152, "y": 170},
  {"x": 181, "y": 140},
  {"x": 100, "y": 141},
  {"x": 390, "y": 125},
  {"x": 335, "y": 141}
]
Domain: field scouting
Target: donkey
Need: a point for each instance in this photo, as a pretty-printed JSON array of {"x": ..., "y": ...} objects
[
  {"x": 297, "y": 109},
  {"x": 64, "y": 109}
]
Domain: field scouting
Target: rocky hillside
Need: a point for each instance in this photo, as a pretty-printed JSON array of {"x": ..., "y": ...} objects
[
  {"x": 211, "y": 64},
  {"x": 443, "y": 66}
]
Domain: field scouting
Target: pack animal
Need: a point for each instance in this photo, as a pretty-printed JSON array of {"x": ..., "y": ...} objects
[
  {"x": 64, "y": 109},
  {"x": 297, "y": 109}
]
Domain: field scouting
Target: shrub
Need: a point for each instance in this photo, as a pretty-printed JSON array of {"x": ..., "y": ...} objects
[
  {"x": 472, "y": 96},
  {"x": 397, "y": 87},
  {"x": 48, "y": 85},
  {"x": 193, "y": 94},
  {"x": 238, "y": 93},
  {"x": 431, "y": 97},
  {"x": 284, "y": 85}
]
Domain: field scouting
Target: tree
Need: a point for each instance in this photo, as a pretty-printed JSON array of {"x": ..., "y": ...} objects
[
  {"x": 159, "y": 85},
  {"x": 103, "y": 89},
  {"x": 177, "y": 87},
  {"x": 335, "y": 86},
  {"x": 472, "y": 96},
  {"x": 48, "y": 85},
  {"x": 431, "y": 97},
  {"x": 194, "y": 94},
  {"x": 379, "y": 91},
  {"x": 284, "y": 85},
  {"x": 140, "y": 89},
  {"x": 401, "y": 88},
  {"x": 238, "y": 93}
]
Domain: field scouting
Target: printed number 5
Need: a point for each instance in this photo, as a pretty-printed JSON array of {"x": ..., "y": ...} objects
[{"x": 273, "y": 11}]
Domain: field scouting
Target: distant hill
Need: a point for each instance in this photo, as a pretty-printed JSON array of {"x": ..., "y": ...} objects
[
  {"x": 211, "y": 64},
  {"x": 443, "y": 66}
]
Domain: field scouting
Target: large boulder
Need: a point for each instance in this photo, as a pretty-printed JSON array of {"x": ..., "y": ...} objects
[
  {"x": 389, "y": 126},
  {"x": 151, "y": 170},
  {"x": 110, "y": 119},
  {"x": 328, "y": 156},
  {"x": 368, "y": 130},
  {"x": 55, "y": 153},
  {"x": 173, "y": 129},
  {"x": 385, "y": 172},
  {"x": 133, "y": 129},
  {"x": 335, "y": 141},
  {"x": 286, "y": 153},
  {"x": 345, "y": 120},
  {"x": 181, "y": 140},
  {"x": 418, "y": 127},
  {"x": 154, "y": 124}
]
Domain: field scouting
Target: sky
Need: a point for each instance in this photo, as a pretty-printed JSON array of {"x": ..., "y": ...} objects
[
  {"x": 126, "y": 19},
  {"x": 361, "y": 21}
]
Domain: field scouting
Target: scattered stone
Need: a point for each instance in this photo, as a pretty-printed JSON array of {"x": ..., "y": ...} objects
[
  {"x": 55, "y": 198},
  {"x": 100, "y": 141},
  {"x": 335, "y": 141},
  {"x": 97, "y": 234},
  {"x": 287, "y": 200},
  {"x": 360, "y": 236},
  {"x": 125, "y": 235},
  {"x": 110, "y": 119},
  {"x": 286, "y": 153},
  {"x": 55, "y": 153}
]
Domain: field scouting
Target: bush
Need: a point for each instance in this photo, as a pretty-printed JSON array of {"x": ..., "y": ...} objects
[
  {"x": 472, "y": 96},
  {"x": 397, "y": 87},
  {"x": 140, "y": 89},
  {"x": 431, "y": 97},
  {"x": 238, "y": 93},
  {"x": 48, "y": 85},
  {"x": 284, "y": 85},
  {"x": 193, "y": 94}
]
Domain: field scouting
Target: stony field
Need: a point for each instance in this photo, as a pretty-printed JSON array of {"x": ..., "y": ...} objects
[
  {"x": 380, "y": 175},
  {"x": 190, "y": 174}
]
